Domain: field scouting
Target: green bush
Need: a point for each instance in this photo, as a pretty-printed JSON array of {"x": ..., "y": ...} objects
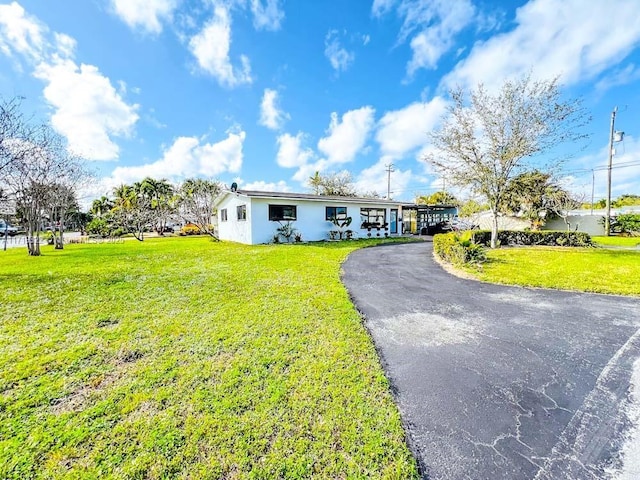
[
  {"x": 549, "y": 238},
  {"x": 98, "y": 226},
  {"x": 629, "y": 223},
  {"x": 458, "y": 248}
]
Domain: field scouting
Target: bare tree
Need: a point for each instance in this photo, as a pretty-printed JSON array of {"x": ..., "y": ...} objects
[
  {"x": 195, "y": 203},
  {"x": 562, "y": 202},
  {"x": 488, "y": 139},
  {"x": 61, "y": 201},
  {"x": 15, "y": 133},
  {"x": 337, "y": 184},
  {"x": 43, "y": 178}
]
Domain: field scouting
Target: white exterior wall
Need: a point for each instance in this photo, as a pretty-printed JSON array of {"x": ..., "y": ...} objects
[
  {"x": 311, "y": 218},
  {"x": 234, "y": 230},
  {"x": 585, "y": 221},
  {"x": 591, "y": 224}
]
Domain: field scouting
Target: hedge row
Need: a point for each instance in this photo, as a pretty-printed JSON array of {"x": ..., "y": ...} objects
[
  {"x": 458, "y": 248},
  {"x": 550, "y": 238}
]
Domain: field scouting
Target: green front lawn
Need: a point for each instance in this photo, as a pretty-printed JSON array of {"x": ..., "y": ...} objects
[
  {"x": 186, "y": 358},
  {"x": 583, "y": 269},
  {"x": 617, "y": 241}
]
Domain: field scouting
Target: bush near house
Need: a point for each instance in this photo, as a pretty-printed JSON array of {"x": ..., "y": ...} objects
[
  {"x": 629, "y": 224},
  {"x": 548, "y": 238},
  {"x": 458, "y": 248}
]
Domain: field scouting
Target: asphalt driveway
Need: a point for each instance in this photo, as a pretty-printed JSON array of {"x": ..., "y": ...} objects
[{"x": 499, "y": 382}]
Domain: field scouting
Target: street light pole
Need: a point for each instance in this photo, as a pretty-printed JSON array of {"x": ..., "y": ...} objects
[{"x": 607, "y": 219}]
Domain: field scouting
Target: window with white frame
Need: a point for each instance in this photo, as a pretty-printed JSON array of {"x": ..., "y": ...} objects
[{"x": 223, "y": 215}]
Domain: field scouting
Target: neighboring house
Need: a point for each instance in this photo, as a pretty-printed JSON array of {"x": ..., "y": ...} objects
[
  {"x": 484, "y": 220},
  {"x": 253, "y": 217},
  {"x": 589, "y": 221}
]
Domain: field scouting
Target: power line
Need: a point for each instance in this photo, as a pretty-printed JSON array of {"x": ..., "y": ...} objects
[{"x": 633, "y": 163}]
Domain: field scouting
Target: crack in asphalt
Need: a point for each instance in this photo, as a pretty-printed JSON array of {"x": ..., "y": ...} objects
[{"x": 495, "y": 381}]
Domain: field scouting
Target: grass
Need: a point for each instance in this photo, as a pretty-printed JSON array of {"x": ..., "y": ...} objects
[
  {"x": 584, "y": 269},
  {"x": 617, "y": 241},
  {"x": 183, "y": 358}
]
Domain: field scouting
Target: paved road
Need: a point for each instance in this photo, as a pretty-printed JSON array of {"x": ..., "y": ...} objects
[
  {"x": 20, "y": 241},
  {"x": 500, "y": 382}
]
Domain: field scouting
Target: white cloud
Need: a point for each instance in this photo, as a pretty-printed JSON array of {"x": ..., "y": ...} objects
[
  {"x": 430, "y": 44},
  {"x": 146, "y": 14},
  {"x": 95, "y": 112},
  {"x": 380, "y": 7},
  {"x": 347, "y": 137},
  {"x": 622, "y": 76},
  {"x": 404, "y": 130},
  {"x": 262, "y": 186},
  {"x": 374, "y": 179},
  {"x": 92, "y": 115},
  {"x": 188, "y": 157},
  {"x": 432, "y": 27},
  {"x": 21, "y": 33},
  {"x": 554, "y": 37},
  {"x": 339, "y": 57},
  {"x": 270, "y": 114},
  {"x": 290, "y": 151},
  {"x": 267, "y": 15},
  {"x": 65, "y": 46},
  {"x": 211, "y": 49},
  {"x": 307, "y": 170},
  {"x": 224, "y": 156}
]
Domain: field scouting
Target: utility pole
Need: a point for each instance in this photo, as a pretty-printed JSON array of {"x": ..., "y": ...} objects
[
  {"x": 607, "y": 219},
  {"x": 613, "y": 137},
  {"x": 389, "y": 170},
  {"x": 593, "y": 187}
]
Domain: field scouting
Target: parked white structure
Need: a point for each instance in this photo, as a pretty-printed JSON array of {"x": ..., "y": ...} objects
[
  {"x": 253, "y": 217},
  {"x": 588, "y": 221}
]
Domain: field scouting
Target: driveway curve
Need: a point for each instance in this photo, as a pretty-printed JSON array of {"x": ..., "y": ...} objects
[{"x": 497, "y": 382}]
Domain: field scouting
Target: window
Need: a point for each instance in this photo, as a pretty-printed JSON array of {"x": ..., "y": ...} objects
[
  {"x": 336, "y": 212},
  {"x": 241, "y": 210},
  {"x": 373, "y": 217},
  {"x": 223, "y": 215},
  {"x": 282, "y": 212}
]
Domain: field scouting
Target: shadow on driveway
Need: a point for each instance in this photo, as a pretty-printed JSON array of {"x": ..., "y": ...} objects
[{"x": 497, "y": 382}]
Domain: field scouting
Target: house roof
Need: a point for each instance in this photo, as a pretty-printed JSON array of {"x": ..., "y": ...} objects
[{"x": 309, "y": 196}]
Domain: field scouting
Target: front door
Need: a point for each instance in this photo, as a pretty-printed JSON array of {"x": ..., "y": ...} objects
[{"x": 394, "y": 220}]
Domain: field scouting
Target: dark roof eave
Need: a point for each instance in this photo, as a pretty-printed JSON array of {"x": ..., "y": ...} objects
[{"x": 310, "y": 196}]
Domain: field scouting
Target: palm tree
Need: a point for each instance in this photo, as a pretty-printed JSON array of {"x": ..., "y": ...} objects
[
  {"x": 159, "y": 194},
  {"x": 101, "y": 206}
]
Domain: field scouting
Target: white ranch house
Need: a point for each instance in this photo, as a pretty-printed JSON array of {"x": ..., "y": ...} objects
[{"x": 252, "y": 217}]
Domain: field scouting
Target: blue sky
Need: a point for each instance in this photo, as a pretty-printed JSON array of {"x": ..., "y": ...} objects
[{"x": 266, "y": 92}]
